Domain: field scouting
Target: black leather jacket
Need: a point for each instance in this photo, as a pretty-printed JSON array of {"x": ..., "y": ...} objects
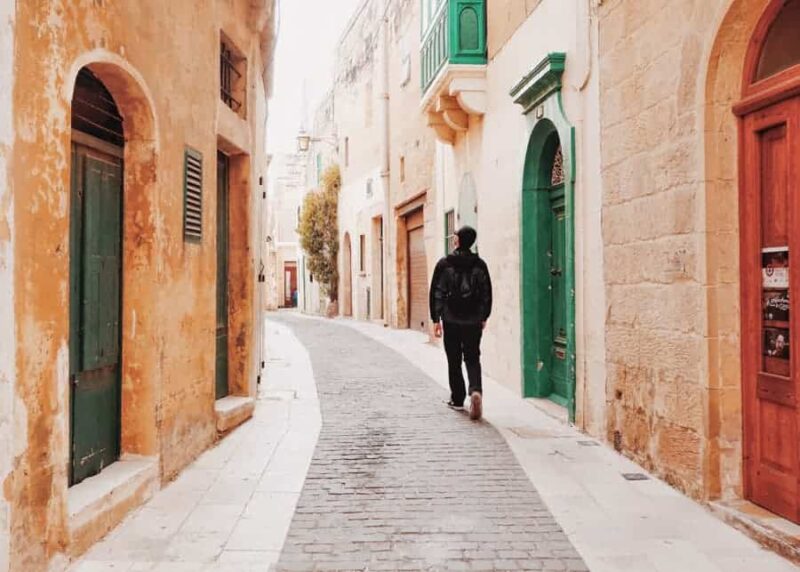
[{"x": 443, "y": 285}]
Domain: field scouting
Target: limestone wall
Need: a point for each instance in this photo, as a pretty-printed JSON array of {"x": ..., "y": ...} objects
[
  {"x": 412, "y": 149},
  {"x": 669, "y": 73},
  {"x": 357, "y": 117}
]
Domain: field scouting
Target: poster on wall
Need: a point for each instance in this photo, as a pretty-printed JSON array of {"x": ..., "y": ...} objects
[
  {"x": 775, "y": 267},
  {"x": 776, "y": 343},
  {"x": 776, "y": 305}
]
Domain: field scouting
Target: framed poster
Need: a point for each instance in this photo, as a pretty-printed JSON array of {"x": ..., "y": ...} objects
[
  {"x": 776, "y": 343},
  {"x": 775, "y": 267},
  {"x": 775, "y": 305}
]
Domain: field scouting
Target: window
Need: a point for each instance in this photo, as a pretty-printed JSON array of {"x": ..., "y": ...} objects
[
  {"x": 232, "y": 80},
  {"x": 369, "y": 188},
  {"x": 362, "y": 254},
  {"x": 449, "y": 231},
  {"x": 192, "y": 195},
  {"x": 346, "y": 151},
  {"x": 402, "y": 169},
  {"x": 781, "y": 48},
  {"x": 319, "y": 169}
]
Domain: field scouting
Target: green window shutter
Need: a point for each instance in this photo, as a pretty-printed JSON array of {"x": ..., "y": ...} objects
[{"x": 192, "y": 195}]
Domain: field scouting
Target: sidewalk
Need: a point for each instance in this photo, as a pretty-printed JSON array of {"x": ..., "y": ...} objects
[
  {"x": 616, "y": 525},
  {"x": 230, "y": 511}
]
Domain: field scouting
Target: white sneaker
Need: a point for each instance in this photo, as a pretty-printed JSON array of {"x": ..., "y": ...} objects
[{"x": 475, "y": 406}]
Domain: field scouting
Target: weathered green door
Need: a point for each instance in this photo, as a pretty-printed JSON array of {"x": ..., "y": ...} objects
[
  {"x": 559, "y": 367},
  {"x": 222, "y": 276},
  {"x": 95, "y": 300}
]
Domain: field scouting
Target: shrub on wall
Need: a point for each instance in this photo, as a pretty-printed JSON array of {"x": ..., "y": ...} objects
[{"x": 319, "y": 232}]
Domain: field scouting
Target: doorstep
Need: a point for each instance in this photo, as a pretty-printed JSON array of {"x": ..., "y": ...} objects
[
  {"x": 99, "y": 503},
  {"x": 766, "y": 528},
  {"x": 550, "y": 408},
  {"x": 232, "y": 411}
]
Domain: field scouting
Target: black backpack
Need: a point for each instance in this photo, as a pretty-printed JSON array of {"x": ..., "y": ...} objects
[{"x": 464, "y": 294}]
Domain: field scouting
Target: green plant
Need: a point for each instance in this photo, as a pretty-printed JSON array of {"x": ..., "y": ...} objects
[{"x": 319, "y": 232}]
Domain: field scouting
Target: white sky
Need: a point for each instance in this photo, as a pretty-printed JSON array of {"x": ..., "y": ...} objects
[{"x": 309, "y": 31}]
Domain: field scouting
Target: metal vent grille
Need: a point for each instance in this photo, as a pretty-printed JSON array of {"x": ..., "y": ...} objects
[{"x": 192, "y": 196}]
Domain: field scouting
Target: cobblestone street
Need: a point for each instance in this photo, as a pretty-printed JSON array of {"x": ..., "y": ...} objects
[
  {"x": 354, "y": 463},
  {"x": 399, "y": 482}
]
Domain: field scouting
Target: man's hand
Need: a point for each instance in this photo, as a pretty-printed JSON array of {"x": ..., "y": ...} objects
[{"x": 437, "y": 330}]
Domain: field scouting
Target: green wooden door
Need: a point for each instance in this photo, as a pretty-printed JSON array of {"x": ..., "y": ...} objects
[
  {"x": 95, "y": 300},
  {"x": 222, "y": 276},
  {"x": 557, "y": 254}
]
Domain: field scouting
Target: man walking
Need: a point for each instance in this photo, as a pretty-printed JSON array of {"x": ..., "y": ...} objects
[{"x": 460, "y": 303}]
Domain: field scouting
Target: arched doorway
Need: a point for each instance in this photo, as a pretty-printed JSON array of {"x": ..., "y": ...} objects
[
  {"x": 769, "y": 214},
  {"x": 111, "y": 343},
  {"x": 347, "y": 278},
  {"x": 96, "y": 210},
  {"x": 546, "y": 290}
]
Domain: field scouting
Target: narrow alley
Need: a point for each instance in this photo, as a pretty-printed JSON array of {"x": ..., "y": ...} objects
[{"x": 346, "y": 468}]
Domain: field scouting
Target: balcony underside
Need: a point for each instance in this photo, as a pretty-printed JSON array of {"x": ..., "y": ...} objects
[{"x": 458, "y": 91}]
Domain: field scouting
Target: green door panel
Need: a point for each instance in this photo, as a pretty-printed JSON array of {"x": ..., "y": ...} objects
[
  {"x": 95, "y": 308},
  {"x": 559, "y": 374},
  {"x": 221, "y": 377}
]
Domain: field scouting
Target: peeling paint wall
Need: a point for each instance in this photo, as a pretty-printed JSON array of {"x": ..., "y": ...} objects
[
  {"x": 160, "y": 62},
  {"x": 7, "y": 314}
]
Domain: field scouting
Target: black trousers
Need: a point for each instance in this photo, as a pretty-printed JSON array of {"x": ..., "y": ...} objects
[{"x": 463, "y": 342}]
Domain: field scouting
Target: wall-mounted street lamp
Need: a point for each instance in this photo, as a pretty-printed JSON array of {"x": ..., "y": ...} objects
[{"x": 304, "y": 141}]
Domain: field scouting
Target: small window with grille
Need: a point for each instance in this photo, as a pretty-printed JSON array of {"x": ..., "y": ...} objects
[
  {"x": 232, "y": 76},
  {"x": 450, "y": 231},
  {"x": 192, "y": 195}
]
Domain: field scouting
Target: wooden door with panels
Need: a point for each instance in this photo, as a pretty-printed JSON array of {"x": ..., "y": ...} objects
[{"x": 769, "y": 206}]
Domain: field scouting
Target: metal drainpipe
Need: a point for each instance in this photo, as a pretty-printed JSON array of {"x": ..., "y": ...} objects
[{"x": 385, "y": 159}]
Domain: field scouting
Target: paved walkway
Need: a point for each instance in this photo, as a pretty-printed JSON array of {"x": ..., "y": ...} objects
[
  {"x": 385, "y": 489},
  {"x": 400, "y": 482}
]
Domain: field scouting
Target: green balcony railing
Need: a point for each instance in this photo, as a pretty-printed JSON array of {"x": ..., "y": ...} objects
[{"x": 456, "y": 34}]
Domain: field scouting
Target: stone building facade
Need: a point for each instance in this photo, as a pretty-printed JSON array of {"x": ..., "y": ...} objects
[
  {"x": 699, "y": 110},
  {"x": 385, "y": 154},
  {"x": 513, "y": 100},
  {"x": 359, "y": 127},
  {"x": 131, "y": 177}
]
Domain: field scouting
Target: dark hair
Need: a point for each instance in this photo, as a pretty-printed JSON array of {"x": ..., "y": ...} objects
[{"x": 466, "y": 237}]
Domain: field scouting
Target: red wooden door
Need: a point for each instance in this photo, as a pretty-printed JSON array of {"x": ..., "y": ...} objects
[
  {"x": 290, "y": 285},
  {"x": 417, "y": 273},
  {"x": 770, "y": 248}
]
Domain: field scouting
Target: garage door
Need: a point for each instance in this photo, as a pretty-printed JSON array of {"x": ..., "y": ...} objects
[{"x": 417, "y": 273}]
